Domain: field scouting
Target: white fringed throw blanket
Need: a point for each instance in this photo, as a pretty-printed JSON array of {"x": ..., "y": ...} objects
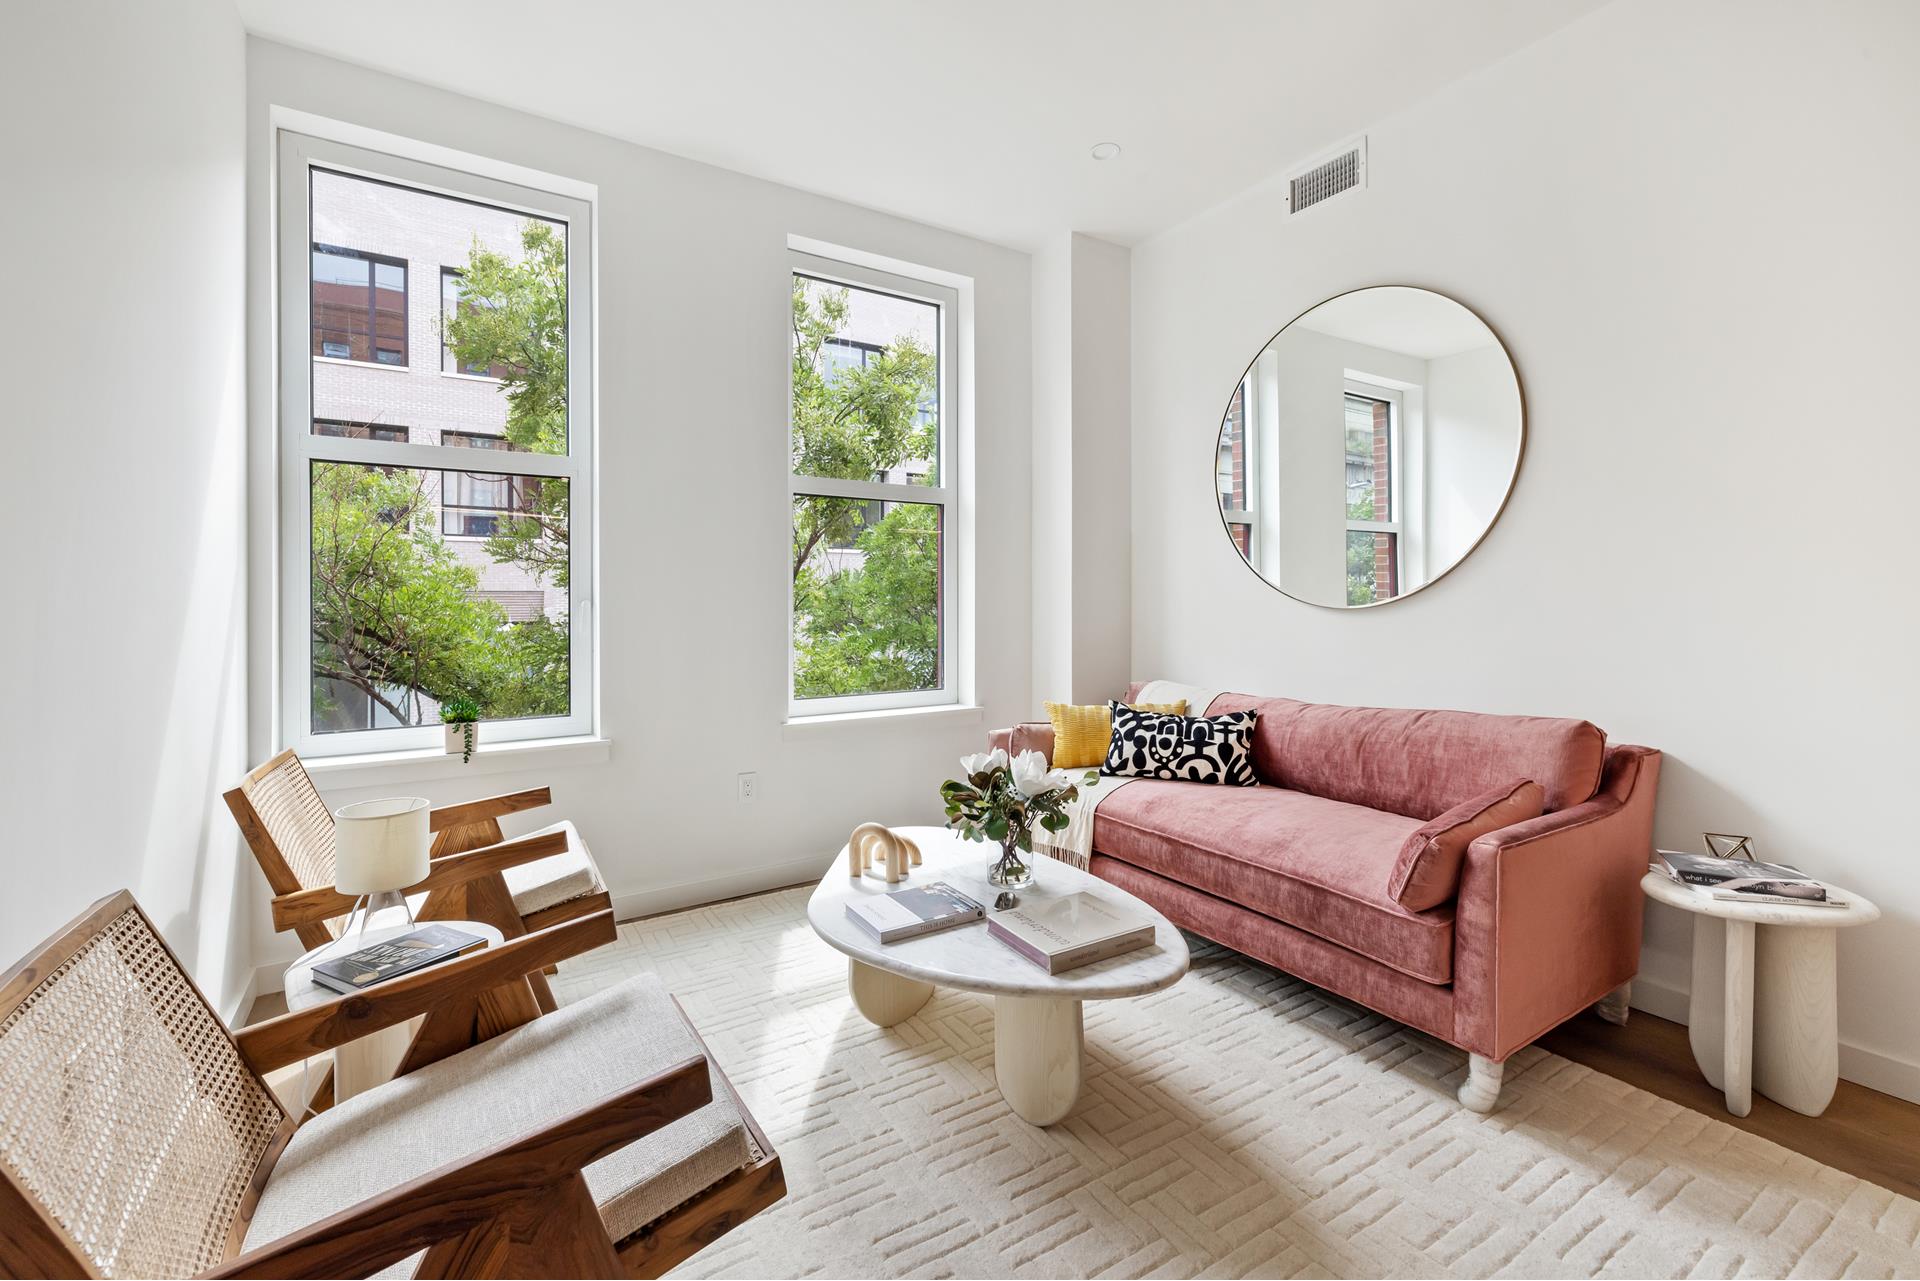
[{"x": 1073, "y": 843}]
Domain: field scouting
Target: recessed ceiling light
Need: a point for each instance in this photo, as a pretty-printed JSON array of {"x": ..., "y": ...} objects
[{"x": 1105, "y": 150}]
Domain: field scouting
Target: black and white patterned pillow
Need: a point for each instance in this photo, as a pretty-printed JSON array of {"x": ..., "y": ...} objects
[{"x": 1193, "y": 749}]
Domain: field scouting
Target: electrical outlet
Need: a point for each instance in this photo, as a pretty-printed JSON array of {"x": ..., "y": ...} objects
[{"x": 749, "y": 788}]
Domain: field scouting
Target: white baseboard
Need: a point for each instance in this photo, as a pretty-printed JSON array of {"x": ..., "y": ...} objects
[
  {"x": 711, "y": 889},
  {"x": 237, "y": 1010},
  {"x": 1871, "y": 1068}
]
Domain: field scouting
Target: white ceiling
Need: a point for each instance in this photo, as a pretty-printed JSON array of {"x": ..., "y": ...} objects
[{"x": 975, "y": 116}]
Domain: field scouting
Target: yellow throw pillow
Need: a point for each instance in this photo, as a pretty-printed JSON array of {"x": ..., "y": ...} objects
[{"x": 1081, "y": 734}]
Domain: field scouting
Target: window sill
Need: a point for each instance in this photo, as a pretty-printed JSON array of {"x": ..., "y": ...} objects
[
  {"x": 891, "y": 718},
  {"x": 375, "y": 769}
]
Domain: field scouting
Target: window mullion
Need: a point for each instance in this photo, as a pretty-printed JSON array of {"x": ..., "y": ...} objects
[{"x": 868, "y": 490}]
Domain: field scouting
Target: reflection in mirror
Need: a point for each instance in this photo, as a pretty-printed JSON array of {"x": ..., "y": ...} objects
[{"x": 1369, "y": 447}]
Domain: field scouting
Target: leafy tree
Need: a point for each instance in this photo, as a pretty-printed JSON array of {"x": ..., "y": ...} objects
[
  {"x": 876, "y": 628},
  {"x": 396, "y": 615},
  {"x": 871, "y": 626},
  {"x": 393, "y": 608},
  {"x": 512, "y": 318},
  {"x": 849, "y": 423}
]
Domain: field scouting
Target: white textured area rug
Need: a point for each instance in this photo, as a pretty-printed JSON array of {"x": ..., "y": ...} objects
[{"x": 1238, "y": 1124}]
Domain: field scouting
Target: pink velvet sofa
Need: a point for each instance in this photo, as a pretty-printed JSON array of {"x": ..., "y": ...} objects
[{"x": 1515, "y": 929}]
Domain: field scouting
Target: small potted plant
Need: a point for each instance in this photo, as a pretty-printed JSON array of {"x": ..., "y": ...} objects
[
  {"x": 462, "y": 718},
  {"x": 1005, "y": 801}
]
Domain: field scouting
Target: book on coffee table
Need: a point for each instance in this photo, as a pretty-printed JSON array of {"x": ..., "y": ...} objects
[
  {"x": 1064, "y": 933},
  {"x": 909, "y": 913},
  {"x": 378, "y": 962}
]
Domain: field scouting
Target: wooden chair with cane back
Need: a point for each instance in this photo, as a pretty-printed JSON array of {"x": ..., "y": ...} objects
[
  {"x": 138, "y": 1137},
  {"x": 541, "y": 879}
]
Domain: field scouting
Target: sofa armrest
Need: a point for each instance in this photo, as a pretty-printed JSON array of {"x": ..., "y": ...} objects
[
  {"x": 1028, "y": 736},
  {"x": 1549, "y": 915}
]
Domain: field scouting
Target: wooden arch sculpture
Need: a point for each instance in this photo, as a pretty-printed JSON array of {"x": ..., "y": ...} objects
[{"x": 874, "y": 850}]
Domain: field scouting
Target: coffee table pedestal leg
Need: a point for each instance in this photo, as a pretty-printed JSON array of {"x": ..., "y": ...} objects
[
  {"x": 885, "y": 999},
  {"x": 1038, "y": 1048}
]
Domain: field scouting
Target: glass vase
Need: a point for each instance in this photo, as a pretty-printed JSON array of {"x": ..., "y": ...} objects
[{"x": 1012, "y": 871}]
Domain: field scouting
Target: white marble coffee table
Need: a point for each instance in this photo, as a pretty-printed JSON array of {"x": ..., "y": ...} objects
[{"x": 1038, "y": 1045}]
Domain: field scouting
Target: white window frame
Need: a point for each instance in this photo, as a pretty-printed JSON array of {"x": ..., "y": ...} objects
[
  {"x": 1396, "y": 468},
  {"x": 296, "y": 154},
  {"x": 947, "y": 495},
  {"x": 1248, "y": 448}
]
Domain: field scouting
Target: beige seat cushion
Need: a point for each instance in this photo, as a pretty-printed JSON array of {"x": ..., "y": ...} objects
[
  {"x": 549, "y": 882},
  {"x": 515, "y": 1083}
]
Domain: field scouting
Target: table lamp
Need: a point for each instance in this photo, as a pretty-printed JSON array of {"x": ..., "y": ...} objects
[{"x": 379, "y": 849}]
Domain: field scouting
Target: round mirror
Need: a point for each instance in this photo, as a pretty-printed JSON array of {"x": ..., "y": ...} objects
[{"x": 1370, "y": 446}]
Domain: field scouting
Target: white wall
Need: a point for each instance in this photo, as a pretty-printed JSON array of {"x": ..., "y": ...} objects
[
  {"x": 1082, "y": 567},
  {"x": 123, "y": 333},
  {"x": 1708, "y": 549},
  {"x": 693, "y": 349}
]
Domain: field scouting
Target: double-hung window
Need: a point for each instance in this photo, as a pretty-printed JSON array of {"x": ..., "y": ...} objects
[
  {"x": 434, "y": 532},
  {"x": 1373, "y": 493},
  {"x": 873, "y": 490}
]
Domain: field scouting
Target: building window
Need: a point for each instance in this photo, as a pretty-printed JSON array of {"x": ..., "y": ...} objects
[
  {"x": 359, "y": 431},
  {"x": 452, "y": 306},
  {"x": 1231, "y": 470},
  {"x": 873, "y": 490},
  {"x": 410, "y": 577},
  {"x": 1372, "y": 476},
  {"x": 483, "y": 504},
  {"x": 359, "y": 305}
]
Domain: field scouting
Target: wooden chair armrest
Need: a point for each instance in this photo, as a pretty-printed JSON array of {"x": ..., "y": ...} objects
[
  {"x": 304, "y": 1033},
  {"x": 480, "y": 811},
  {"x": 464, "y": 1194},
  {"x": 323, "y": 902}
]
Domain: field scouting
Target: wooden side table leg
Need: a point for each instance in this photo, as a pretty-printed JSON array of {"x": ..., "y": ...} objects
[
  {"x": 1737, "y": 1046},
  {"x": 1796, "y": 1032}
]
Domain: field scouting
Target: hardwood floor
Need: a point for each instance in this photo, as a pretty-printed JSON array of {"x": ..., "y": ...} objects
[{"x": 1868, "y": 1134}]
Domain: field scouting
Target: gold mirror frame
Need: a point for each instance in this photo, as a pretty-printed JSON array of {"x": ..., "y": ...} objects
[{"x": 1513, "y": 479}]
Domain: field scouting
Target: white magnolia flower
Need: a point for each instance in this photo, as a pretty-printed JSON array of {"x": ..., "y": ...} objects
[
  {"x": 981, "y": 762},
  {"x": 1032, "y": 778}
]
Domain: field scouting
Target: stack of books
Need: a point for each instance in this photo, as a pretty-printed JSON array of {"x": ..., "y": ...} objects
[
  {"x": 415, "y": 950},
  {"x": 906, "y": 914},
  {"x": 1740, "y": 880},
  {"x": 1064, "y": 933}
]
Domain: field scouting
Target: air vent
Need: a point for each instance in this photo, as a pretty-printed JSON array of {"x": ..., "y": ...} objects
[{"x": 1342, "y": 171}]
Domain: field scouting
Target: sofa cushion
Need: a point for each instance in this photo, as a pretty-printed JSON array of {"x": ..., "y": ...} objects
[
  {"x": 1417, "y": 763},
  {"x": 1427, "y": 873},
  {"x": 1197, "y": 749},
  {"x": 507, "y": 1087},
  {"x": 1322, "y": 866},
  {"x": 561, "y": 878},
  {"x": 1081, "y": 735}
]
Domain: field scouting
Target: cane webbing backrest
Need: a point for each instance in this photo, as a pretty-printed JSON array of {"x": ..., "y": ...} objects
[
  {"x": 297, "y": 823},
  {"x": 125, "y": 1109}
]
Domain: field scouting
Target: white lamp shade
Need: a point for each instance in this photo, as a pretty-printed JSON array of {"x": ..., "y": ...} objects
[{"x": 380, "y": 845}]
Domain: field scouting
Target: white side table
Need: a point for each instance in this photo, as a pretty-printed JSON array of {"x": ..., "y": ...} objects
[
  {"x": 369, "y": 1061},
  {"x": 1761, "y": 1015}
]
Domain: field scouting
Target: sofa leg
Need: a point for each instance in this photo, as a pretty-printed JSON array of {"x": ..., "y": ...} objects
[
  {"x": 1480, "y": 1092},
  {"x": 1613, "y": 1006}
]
